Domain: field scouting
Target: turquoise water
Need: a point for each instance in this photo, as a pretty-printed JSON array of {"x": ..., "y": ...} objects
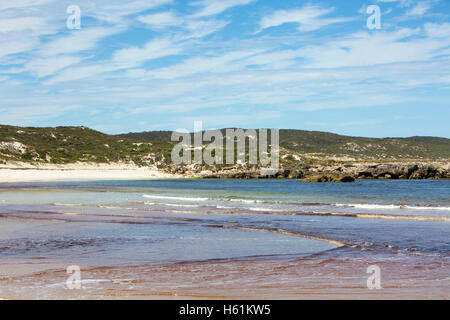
[{"x": 116, "y": 223}]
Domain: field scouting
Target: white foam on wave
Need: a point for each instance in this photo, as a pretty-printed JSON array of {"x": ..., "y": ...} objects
[
  {"x": 245, "y": 200},
  {"x": 225, "y": 207},
  {"x": 390, "y": 206},
  {"x": 172, "y": 204},
  {"x": 58, "y": 204},
  {"x": 264, "y": 209},
  {"x": 85, "y": 281},
  {"x": 175, "y": 198}
]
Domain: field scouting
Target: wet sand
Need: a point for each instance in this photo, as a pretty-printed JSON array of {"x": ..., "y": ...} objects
[
  {"x": 339, "y": 273},
  {"x": 320, "y": 277}
]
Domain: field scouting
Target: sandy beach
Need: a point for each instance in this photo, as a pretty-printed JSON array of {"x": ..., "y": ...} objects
[
  {"x": 24, "y": 172},
  {"x": 318, "y": 277}
]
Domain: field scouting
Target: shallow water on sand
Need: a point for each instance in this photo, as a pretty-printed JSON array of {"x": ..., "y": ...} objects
[{"x": 211, "y": 238}]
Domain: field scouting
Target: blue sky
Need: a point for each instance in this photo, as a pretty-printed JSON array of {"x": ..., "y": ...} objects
[{"x": 162, "y": 64}]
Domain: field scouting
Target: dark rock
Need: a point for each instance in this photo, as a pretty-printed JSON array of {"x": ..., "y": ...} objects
[
  {"x": 347, "y": 179},
  {"x": 328, "y": 178}
]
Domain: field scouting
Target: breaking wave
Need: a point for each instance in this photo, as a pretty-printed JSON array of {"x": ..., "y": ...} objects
[{"x": 175, "y": 198}]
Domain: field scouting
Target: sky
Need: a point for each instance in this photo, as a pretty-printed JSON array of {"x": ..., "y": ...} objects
[{"x": 141, "y": 65}]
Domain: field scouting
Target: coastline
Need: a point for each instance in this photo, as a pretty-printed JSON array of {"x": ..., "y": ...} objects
[{"x": 16, "y": 172}]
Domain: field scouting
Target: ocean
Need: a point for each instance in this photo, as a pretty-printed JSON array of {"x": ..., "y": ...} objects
[{"x": 225, "y": 239}]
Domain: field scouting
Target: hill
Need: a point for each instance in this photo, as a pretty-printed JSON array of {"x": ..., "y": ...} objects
[
  {"x": 323, "y": 145},
  {"x": 60, "y": 145},
  {"x": 63, "y": 145},
  {"x": 334, "y": 145}
]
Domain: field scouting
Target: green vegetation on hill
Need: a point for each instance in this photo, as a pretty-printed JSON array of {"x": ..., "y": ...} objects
[
  {"x": 153, "y": 136},
  {"x": 71, "y": 144},
  {"x": 329, "y": 144}
]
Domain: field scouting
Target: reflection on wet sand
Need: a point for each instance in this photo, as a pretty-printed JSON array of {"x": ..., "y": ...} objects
[{"x": 317, "y": 277}]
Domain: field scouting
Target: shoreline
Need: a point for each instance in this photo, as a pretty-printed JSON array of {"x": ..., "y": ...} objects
[
  {"x": 103, "y": 173},
  {"x": 14, "y": 173}
]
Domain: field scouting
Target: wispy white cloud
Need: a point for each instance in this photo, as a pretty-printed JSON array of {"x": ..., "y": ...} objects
[
  {"x": 203, "y": 28},
  {"x": 436, "y": 30},
  {"x": 23, "y": 22},
  {"x": 17, "y": 46},
  {"x": 114, "y": 11},
  {"x": 77, "y": 40},
  {"x": 122, "y": 59},
  {"x": 20, "y": 24},
  {"x": 152, "y": 50},
  {"x": 214, "y": 7},
  {"x": 419, "y": 9},
  {"x": 18, "y": 4},
  {"x": 21, "y": 28},
  {"x": 161, "y": 20},
  {"x": 48, "y": 66},
  {"x": 308, "y": 18},
  {"x": 191, "y": 27},
  {"x": 403, "y": 3},
  {"x": 218, "y": 64},
  {"x": 365, "y": 49}
]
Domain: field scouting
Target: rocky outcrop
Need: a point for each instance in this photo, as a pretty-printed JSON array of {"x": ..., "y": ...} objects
[
  {"x": 255, "y": 174},
  {"x": 344, "y": 173},
  {"x": 399, "y": 171}
]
